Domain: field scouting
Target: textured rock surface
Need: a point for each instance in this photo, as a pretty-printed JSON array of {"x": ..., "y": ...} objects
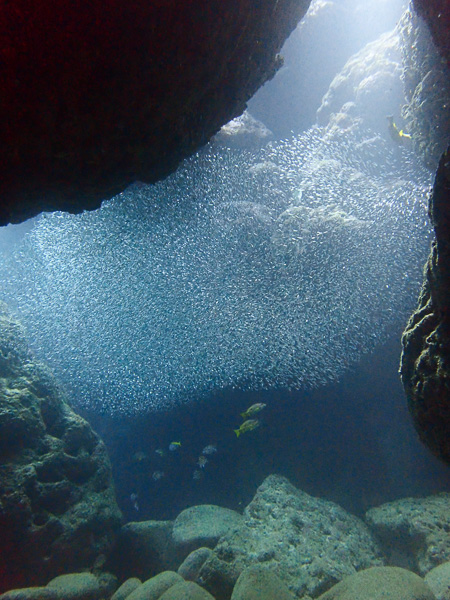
[
  {"x": 438, "y": 579},
  {"x": 57, "y": 507},
  {"x": 426, "y": 80},
  {"x": 243, "y": 132},
  {"x": 31, "y": 593},
  {"x": 93, "y": 101},
  {"x": 257, "y": 583},
  {"x": 367, "y": 88},
  {"x": 144, "y": 549},
  {"x": 187, "y": 590},
  {"x": 425, "y": 361},
  {"x": 414, "y": 532},
  {"x": 437, "y": 16},
  {"x": 83, "y": 586},
  {"x": 311, "y": 543},
  {"x": 190, "y": 567},
  {"x": 154, "y": 588},
  {"x": 202, "y": 525},
  {"x": 126, "y": 588},
  {"x": 381, "y": 583}
]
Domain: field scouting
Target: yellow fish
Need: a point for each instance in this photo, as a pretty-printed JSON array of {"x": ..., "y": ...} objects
[
  {"x": 247, "y": 426},
  {"x": 398, "y": 136},
  {"x": 254, "y": 408}
]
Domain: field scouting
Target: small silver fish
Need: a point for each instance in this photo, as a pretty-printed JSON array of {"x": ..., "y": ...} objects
[
  {"x": 134, "y": 501},
  {"x": 202, "y": 462}
]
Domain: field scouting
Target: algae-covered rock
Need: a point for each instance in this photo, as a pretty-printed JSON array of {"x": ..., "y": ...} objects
[
  {"x": 258, "y": 583},
  {"x": 186, "y": 590},
  {"x": 31, "y": 593},
  {"x": 126, "y": 588},
  {"x": 202, "y": 525},
  {"x": 414, "y": 532},
  {"x": 76, "y": 586},
  {"x": 190, "y": 567},
  {"x": 154, "y": 588},
  {"x": 381, "y": 583},
  {"x": 425, "y": 361},
  {"x": 311, "y": 543},
  {"x": 438, "y": 579},
  {"x": 144, "y": 549},
  {"x": 58, "y": 509}
]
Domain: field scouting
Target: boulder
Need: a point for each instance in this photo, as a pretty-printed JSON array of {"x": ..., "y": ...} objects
[
  {"x": 190, "y": 567},
  {"x": 438, "y": 580},
  {"x": 414, "y": 532},
  {"x": 187, "y": 590},
  {"x": 380, "y": 583},
  {"x": 82, "y": 586},
  {"x": 312, "y": 543},
  {"x": 144, "y": 549},
  {"x": 425, "y": 360},
  {"x": 259, "y": 583},
  {"x": 58, "y": 508},
  {"x": 31, "y": 593},
  {"x": 93, "y": 101},
  {"x": 202, "y": 525},
  {"x": 126, "y": 588},
  {"x": 154, "y": 588}
]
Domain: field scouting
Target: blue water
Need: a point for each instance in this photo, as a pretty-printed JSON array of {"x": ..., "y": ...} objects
[{"x": 283, "y": 275}]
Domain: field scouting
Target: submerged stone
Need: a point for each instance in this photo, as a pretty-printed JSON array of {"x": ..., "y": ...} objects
[
  {"x": 414, "y": 532},
  {"x": 310, "y": 543},
  {"x": 380, "y": 583},
  {"x": 258, "y": 583},
  {"x": 202, "y": 525}
]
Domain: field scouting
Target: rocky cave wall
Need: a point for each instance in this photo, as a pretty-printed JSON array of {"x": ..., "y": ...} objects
[
  {"x": 93, "y": 100},
  {"x": 57, "y": 505},
  {"x": 425, "y": 363}
]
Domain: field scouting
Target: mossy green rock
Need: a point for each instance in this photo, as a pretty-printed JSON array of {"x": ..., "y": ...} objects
[
  {"x": 186, "y": 591},
  {"x": 202, "y": 525},
  {"x": 76, "y": 586},
  {"x": 31, "y": 593},
  {"x": 126, "y": 588},
  {"x": 380, "y": 583},
  {"x": 438, "y": 579},
  {"x": 259, "y": 583},
  {"x": 155, "y": 587},
  {"x": 144, "y": 549}
]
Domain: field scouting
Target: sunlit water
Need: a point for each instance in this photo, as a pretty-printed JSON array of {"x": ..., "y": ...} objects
[{"x": 272, "y": 269}]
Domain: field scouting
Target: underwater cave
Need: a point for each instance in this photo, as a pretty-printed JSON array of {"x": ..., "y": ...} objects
[{"x": 224, "y": 370}]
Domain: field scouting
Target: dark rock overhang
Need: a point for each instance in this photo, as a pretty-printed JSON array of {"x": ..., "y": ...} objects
[
  {"x": 436, "y": 13},
  {"x": 94, "y": 98}
]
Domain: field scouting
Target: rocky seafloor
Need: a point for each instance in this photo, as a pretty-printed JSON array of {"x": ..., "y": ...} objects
[{"x": 286, "y": 544}]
